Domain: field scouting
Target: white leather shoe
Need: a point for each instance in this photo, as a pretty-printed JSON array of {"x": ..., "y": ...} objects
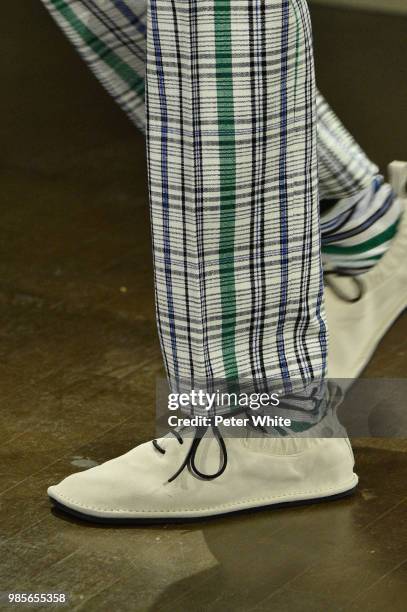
[
  {"x": 361, "y": 309},
  {"x": 160, "y": 481}
]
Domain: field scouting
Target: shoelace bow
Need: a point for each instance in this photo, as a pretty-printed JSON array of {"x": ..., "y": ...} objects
[
  {"x": 189, "y": 460},
  {"x": 340, "y": 294}
]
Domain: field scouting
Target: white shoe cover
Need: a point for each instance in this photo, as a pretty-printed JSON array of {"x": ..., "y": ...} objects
[{"x": 259, "y": 472}]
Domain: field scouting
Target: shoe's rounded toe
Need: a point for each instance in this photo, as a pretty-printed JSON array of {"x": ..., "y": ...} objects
[
  {"x": 80, "y": 493},
  {"x": 119, "y": 489}
]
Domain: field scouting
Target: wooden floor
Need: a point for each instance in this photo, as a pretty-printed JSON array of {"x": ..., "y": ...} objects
[{"x": 79, "y": 356}]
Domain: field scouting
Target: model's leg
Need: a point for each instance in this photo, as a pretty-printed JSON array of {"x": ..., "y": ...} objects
[
  {"x": 364, "y": 247},
  {"x": 234, "y": 194},
  {"x": 231, "y": 137},
  {"x": 232, "y": 160},
  {"x": 110, "y": 36},
  {"x": 360, "y": 212},
  {"x": 240, "y": 191}
]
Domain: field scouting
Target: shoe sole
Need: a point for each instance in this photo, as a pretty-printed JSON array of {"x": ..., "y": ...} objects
[{"x": 65, "y": 510}]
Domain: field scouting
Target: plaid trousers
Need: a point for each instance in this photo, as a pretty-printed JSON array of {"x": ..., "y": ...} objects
[{"x": 241, "y": 148}]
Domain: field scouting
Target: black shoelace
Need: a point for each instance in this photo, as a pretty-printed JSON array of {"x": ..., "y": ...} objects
[
  {"x": 340, "y": 294},
  {"x": 189, "y": 460}
]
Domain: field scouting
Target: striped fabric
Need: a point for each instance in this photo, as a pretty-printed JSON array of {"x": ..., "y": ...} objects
[
  {"x": 343, "y": 168},
  {"x": 358, "y": 230},
  {"x": 233, "y": 186},
  {"x": 233, "y": 163},
  {"x": 360, "y": 212},
  {"x": 110, "y": 35}
]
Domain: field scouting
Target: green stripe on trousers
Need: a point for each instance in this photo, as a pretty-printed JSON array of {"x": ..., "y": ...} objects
[
  {"x": 363, "y": 247},
  {"x": 109, "y": 57},
  {"x": 227, "y": 170}
]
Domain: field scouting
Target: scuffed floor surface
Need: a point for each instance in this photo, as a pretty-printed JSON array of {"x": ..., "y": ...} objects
[{"x": 79, "y": 359}]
